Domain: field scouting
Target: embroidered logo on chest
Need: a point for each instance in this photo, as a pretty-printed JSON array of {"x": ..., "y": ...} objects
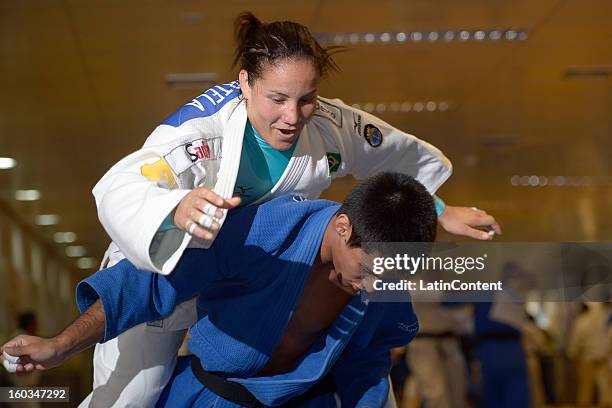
[
  {"x": 333, "y": 161},
  {"x": 372, "y": 135}
]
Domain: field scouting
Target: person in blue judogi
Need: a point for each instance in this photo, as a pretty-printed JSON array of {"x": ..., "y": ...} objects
[{"x": 281, "y": 319}]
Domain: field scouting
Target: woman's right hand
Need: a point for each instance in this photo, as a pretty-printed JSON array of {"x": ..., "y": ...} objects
[{"x": 197, "y": 213}]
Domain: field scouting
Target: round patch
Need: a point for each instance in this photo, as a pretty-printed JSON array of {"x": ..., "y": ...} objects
[{"x": 372, "y": 135}]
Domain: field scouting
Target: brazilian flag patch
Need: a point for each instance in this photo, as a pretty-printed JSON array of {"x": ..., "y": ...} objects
[{"x": 333, "y": 161}]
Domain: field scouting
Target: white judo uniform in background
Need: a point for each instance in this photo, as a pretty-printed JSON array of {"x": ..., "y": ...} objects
[
  {"x": 435, "y": 356},
  {"x": 200, "y": 145}
]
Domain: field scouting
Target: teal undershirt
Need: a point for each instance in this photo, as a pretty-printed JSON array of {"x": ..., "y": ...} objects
[{"x": 261, "y": 166}]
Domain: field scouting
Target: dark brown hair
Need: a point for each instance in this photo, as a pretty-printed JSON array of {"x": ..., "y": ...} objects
[{"x": 261, "y": 43}]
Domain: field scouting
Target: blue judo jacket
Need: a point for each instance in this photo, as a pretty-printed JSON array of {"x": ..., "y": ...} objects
[{"x": 248, "y": 284}]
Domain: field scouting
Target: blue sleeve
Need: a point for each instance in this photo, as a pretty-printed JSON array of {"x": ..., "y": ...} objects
[
  {"x": 362, "y": 379},
  {"x": 362, "y": 372},
  {"x": 131, "y": 296}
]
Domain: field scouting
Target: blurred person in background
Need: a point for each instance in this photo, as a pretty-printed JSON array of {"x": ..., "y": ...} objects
[
  {"x": 267, "y": 134},
  {"x": 535, "y": 343},
  {"x": 435, "y": 356},
  {"x": 501, "y": 355},
  {"x": 589, "y": 349}
]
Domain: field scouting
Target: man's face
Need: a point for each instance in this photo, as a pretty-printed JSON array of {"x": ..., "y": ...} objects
[
  {"x": 346, "y": 270},
  {"x": 352, "y": 267},
  {"x": 282, "y": 100}
]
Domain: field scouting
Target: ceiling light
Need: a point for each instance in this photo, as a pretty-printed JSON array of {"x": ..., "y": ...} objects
[
  {"x": 495, "y": 35},
  {"x": 47, "y": 219},
  {"x": 417, "y": 36},
  {"x": 27, "y": 195},
  {"x": 75, "y": 251},
  {"x": 87, "y": 263},
  {"x": 405, "y": 106},
  {"x": 64, "y": 237},
  {"x": 559, "y": 180},
  {"x": 7, "y": 163}
]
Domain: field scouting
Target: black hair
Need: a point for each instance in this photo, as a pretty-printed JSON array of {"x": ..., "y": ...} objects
[
  {"x": 390, "y": 207},
  {"x": 260, "y": 44}
]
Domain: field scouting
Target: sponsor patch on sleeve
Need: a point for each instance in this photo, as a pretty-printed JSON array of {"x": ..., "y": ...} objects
[
  {"x": 184, "y": 156},
  {"x": 330, "y": 112},
  {"x": 203, "y": 149},
  {"x": 159, "y": 172},
  {"x": 372, "y": 135}
]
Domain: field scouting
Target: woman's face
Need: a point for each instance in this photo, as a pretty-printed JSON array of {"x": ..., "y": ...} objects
[{"x": 282, "y": 100}]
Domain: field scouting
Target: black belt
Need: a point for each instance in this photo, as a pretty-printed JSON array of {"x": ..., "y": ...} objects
[
  {"x": 239, "y": 394},
  {"x": 441, "y": 335},
  {"x": 499, "y": 336}
]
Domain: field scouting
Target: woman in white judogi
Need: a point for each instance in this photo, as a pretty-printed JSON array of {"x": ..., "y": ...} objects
[{"x": 174, "y": 192}]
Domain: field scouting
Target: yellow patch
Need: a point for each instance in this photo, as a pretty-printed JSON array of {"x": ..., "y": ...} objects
[{"x": 159, "y": 172}]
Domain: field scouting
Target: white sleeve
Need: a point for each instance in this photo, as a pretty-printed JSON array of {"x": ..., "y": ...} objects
[
  {"x": 139, "y": 192},
  {"x": 368, "y": 146}
]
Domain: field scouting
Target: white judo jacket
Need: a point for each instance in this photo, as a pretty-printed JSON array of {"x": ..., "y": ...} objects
[{"x": 200, "y": 145}]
